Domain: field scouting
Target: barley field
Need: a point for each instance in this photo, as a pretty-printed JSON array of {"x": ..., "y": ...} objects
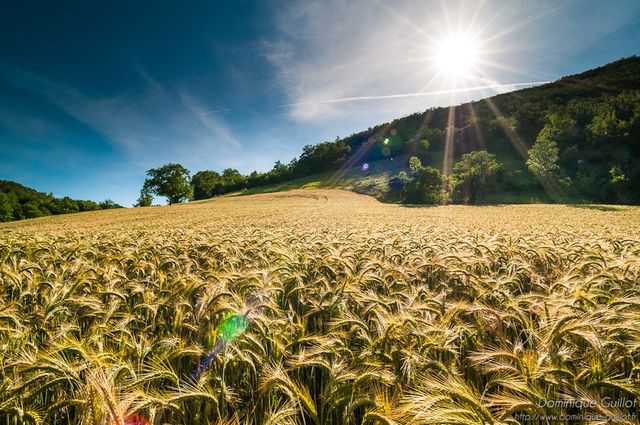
[{"x": 320, "y": 307}]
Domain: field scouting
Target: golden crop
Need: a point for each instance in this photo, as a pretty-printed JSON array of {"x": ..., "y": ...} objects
[{"x": 370, "y": 313}]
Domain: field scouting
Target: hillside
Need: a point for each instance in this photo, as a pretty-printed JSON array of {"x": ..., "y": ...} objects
[
  {"x": 18, "y": 202},
  {"x": 591, "y": 119}
]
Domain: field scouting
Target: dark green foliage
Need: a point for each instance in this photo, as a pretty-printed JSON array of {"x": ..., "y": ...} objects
[
  {"x": 6, "y": 208},
  {"x": 206, "y": 184},
  {"x": 418, "y": 148},
  {"x": 18, "y": 202},
  {"x": 399, "y": 181},
  {"x": 322, "y": 157},
  {"x": 473, "y": 177},
  {"x": 171, "y": 181},
  {"x": 314, "y": 159},
  {"x": 424, "y": 185},
  {"x": 108, "y": 204},
  {"x": 146, "y": 196},
  {"x": 233, "y": 180}
]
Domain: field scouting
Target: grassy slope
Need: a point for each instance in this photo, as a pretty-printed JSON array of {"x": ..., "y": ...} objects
[{"x": 375, "y": 182}]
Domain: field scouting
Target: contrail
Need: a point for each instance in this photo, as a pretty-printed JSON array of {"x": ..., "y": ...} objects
[{"x": 423, "y": 93}]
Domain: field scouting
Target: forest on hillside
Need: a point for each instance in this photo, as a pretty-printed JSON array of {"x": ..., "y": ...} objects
[
  {"x": 18, "y": 202},
  {"x": 573, "y": 140}
]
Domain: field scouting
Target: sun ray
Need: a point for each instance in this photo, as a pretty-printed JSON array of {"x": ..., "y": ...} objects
[
  {"x": 551, "y": 187},
  {"x": 356, "y": 156},
  {"x": 476, "y": 127},
  {"x": 405, "y": 19},
  {"x": 447, "y": 160}
]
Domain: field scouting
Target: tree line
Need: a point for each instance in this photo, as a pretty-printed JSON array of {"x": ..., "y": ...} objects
[
  {"x": 18, "y": 202},
  {"x": 174, "y": 181}
]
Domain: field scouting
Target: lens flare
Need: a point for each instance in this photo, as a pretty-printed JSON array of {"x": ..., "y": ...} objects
[
  {"x": 135, "y": 419},
  {"x": 365, "y": 167},
  {"x": 232, "y": 327}
]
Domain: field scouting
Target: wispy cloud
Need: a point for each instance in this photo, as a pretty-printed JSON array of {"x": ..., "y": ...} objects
[
  {"x": 151, "y": 125},
  {"x": 212, "y": 111},
  {"x": 501, "y": 88}
]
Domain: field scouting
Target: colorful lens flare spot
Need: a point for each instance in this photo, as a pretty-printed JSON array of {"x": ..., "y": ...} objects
[
  {"x": 365, "y": 167},
  {"x": 135, "y": 419},
  {"x": 232, "y": 327},
  {"x": 386, "y": 141}
]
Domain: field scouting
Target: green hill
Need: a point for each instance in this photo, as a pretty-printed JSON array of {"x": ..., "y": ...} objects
[
  {"x": 18, "y": 202},
  {"x": 591, "y": 119}
]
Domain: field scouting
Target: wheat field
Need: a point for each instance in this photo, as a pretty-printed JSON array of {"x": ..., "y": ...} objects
[{"x": 356, "y": 312}]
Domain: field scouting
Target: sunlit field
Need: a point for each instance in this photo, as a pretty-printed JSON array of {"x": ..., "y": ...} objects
[{"x": 319, "y": 307}]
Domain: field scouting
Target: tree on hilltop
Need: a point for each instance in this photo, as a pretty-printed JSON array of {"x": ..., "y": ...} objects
[{"x": 170, "y": 180}]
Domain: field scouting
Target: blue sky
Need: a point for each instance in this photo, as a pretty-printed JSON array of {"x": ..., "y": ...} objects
[{"x": 92, "y": 94}]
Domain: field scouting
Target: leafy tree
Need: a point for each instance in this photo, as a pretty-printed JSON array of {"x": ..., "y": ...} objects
[
  {"x": 617, "y": 176},
  {"x": 399, "y": 181},
  {"x": 206, "y": 184},
  {"x": 232, "y": 179},
  {"x": 108, "y": 204},
  {"x": 606, "y": 125},
  {"x": 171, "y": 181},
  {"x": 322, "y": 157},
  {"x": 65, "y": 205},
  {"x": 32, "y": 209},
  {"x": 473, "y": 176},
  {"x": 543, "y": 161},
  {"x": 620, "y": 185},
  {"x": 146, "y": 196},
  {"x": 414, "y": 164},
  {"x": 20, "y": 202},
  {"x": 543, "y": 155},
  {"x": 424, "y": 186},
  {"x": 397, "y": 184},
  {"x": 88, "y": 206},
  {"x": 279, "y": 170}
]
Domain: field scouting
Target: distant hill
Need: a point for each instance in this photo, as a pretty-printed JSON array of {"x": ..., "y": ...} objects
[
  {"x": 18, "y": 202},
  {"x": 591, "y": 118}
]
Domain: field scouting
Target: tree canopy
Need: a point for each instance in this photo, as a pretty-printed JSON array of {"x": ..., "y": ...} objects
[
  {"x": 170, "y": 181},
  {"x": 473, "y": 176}
]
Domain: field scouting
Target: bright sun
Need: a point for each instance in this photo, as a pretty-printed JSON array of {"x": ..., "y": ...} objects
[{"x": 456, "y": 56}]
